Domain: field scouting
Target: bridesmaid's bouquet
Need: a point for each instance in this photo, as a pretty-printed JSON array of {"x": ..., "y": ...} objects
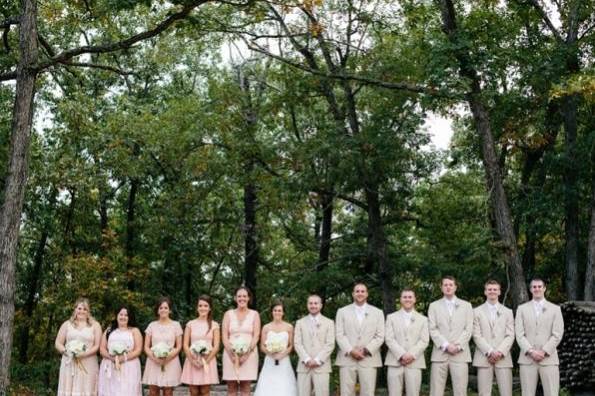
[
  {"x": 275, "y": 345},
  {"x": 73, "y": 349},
  {"x": 118, "y": 349},
  {"x": 161, "y": 351},
  {"x": 239, "y": 346},
  {"x": 201, "y": 348}
]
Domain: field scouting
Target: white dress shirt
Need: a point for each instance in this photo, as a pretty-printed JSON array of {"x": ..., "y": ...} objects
[
  {"x": 360, "y": 312},
  {"x": 538, "y": 306},
  {"x": 407, "y": 316}
]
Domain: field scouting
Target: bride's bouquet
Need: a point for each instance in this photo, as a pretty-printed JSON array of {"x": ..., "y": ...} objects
[
  {"x": 161, "y": 351},
  {"x": 118, "y": 349},
  {"x": 275, "y": 344},
  {"x": 201, "y": 348},
  {"x": 73, "y": 349}
]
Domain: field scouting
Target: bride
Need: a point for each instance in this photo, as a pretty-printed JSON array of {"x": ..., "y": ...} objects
[{"x": 276, "y": 342}]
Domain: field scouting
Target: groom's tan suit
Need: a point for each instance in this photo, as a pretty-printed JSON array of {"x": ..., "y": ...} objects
[
  {"x": 493, "y": 330},
  {"x": 450, "y": 323},
  {"x": 539, "y": 327},
  {"x": 405, "y": 335},
  {"x": 357, "y": 329},
  {"x": 314, "y": 339}
]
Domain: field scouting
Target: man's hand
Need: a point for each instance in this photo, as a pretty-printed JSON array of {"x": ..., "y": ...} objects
[
  {"x": 537, "y": 356},
  {"x": 495, "y": 356},
  {"x": 453, "y": 349},
  {"x": 357, "y": 353},
  {"x": 407, "y": 359}
]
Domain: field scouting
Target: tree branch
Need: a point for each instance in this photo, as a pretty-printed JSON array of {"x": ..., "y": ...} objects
[
  {"x": 546, "y": 19},
  {"x": 11, "y": 75},
  {"x": 96, "y": 66},
  {"x": 8, "y": 22},
  {"x": 364, "y": 80},
  {"x": 123, "y": 44}
]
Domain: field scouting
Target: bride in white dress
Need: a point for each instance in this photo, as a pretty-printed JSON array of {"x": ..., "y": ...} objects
[{"x": 277, "y": 377}]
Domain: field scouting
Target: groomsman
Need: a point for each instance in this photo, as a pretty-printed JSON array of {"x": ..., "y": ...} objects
[
  {"x": 539, "y": 328},
  {"x": 407, "y": 337},
  {"x": 360, "y": 334},
  {"x": 451, "y": 326},
  {"x": 493, "y": 335},
  {"x": 314, "y": 341}
]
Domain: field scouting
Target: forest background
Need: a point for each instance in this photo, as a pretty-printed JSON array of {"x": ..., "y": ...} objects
[{"x": 185, "y": 147}]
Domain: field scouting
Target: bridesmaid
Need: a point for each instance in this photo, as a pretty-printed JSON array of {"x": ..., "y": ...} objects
[
  {"x": 125, "y": 380},
  {"x": 163, "y": 374},
  {"x": 238, "y": 323},
  {"x": 194, "y": 373},
  {"x": 78, "y": 376}
]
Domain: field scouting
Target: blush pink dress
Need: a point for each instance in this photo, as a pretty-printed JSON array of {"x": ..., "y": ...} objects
[
  {"x": 79, "y": 379},
  {"x": 192, "y": 375},
  {"x": 126, "y": 380},
  {"x": 153, "y": 374},
  {"x": 248, "y": 371}
]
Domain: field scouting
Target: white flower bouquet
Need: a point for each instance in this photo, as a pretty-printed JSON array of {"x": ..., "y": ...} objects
[
  {"x": 118, "y": 349},
  {"x": 73, "y": 350},
  {"x": 275, "y": 344},
  {"x": 240, "y": 346},
  {"x": 161, "y": 351},
  {"x": 200, "y": 348}
]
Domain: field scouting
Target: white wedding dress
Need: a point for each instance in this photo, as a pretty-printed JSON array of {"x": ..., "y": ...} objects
[{"x": 276, "y": 380}]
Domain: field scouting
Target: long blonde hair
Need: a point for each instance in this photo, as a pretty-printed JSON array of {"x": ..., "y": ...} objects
[{"x": 85, "y": 302}]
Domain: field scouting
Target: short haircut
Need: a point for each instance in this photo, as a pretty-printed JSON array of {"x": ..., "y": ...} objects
[
  {"x": 449, "y": 277},
  {"x": 537, "y": 279},
  {"x": 492, "y": 282},
  {"x": 316, "y": 296},
  {"x": 408, "y": 289},
  {"x": 360, "y": 284}
]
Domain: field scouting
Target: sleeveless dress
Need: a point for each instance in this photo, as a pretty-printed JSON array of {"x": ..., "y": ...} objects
[
  {"x": 248, "y": 371},
  {"x": 192, "y": 375},
  {"x": 126, "y": 381},
  {"x": 74, "y": 381},
  {"x": 276, "y": 380},
  {"x": 153, "y": 374}
]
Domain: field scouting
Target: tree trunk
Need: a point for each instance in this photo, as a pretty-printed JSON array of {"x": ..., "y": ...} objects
[
  {"x": 325, "y": 239},
  {"x": 131, "y": 231},
  {"x": 498, "y": 198},
  {"x": 33, "y": 292},
  {"x": 14, "y": 189},
  {"x": 590, "y": 268},
  {"x": 377, "y": 249},
  {"x": 251, "y": 248}
]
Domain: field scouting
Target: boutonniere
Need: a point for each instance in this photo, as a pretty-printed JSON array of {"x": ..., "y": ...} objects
[
  {"x": 412, "y": 318},
  {"x": 542, "y": 309},
  {"x": 317, "y": 325},
  {"x": 498, "y": 313},
  {"x": 456, "y": 304}
]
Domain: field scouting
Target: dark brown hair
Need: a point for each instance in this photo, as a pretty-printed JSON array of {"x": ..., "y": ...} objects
[
  {"x": 408, "y": 289},
  {"x": 235, "y": 293},
  {"x": 492, "y": 282},
  {"x": 161, "y": 301},
  {"x": 209, "y": 301},
  {"x": 277, "y": 303},
  {"x": 449, "y": 277}
]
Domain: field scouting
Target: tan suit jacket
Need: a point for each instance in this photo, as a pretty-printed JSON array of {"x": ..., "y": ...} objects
[
  {"x": 539, "y": 332},
  {"x": 488, "y": 335},
  {"x": 350, "y": 334},
  {"x": 401, "y": 339},
  {"x": 314, "y": 342},
  {"x": 455, "y": 329}
]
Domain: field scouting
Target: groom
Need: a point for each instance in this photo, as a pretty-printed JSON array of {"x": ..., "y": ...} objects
[
  {"x": 314, "y": 341},
  {"x": 360, "y": 334}
]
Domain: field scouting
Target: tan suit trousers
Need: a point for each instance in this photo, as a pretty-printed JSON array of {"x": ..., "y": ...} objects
[
  {"x": 458, "y": 376},
  {"x": 549, "y": 375},
  {"x": 319, "y": 382},
  {"x": 401, "y": 379},
  {"x": 349, "y": 375},
  {"x": 485, "y": 380}
]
